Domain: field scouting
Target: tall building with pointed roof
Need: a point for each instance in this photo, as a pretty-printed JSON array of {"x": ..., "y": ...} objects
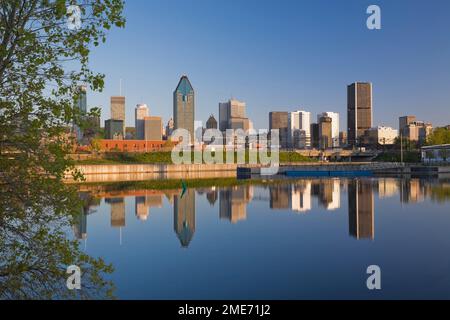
[
  {"x": 211, "y": 123},
  {"x": 184, "y": 106}
]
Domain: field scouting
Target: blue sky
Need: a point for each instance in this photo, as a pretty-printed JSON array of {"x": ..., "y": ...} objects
[{"x": 280, "y": 56}]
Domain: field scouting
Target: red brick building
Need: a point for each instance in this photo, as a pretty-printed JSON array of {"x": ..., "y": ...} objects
[{"x": 131, "y": 145}]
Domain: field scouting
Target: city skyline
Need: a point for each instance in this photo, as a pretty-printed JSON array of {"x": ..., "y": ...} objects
[{"x": 309, "y": 79}]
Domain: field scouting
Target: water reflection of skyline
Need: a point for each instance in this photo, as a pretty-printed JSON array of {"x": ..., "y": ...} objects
[{"x": 297, "y": 196}]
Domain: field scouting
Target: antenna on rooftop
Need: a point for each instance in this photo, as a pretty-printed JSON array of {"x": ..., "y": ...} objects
[{"x": 120, "y": 87}]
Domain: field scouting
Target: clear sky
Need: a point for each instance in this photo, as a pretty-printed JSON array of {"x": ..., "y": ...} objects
[{"x": 280, "y": 56}]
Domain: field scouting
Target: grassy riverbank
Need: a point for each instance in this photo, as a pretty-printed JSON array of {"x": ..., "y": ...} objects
[{"x": 165, "y": 158}]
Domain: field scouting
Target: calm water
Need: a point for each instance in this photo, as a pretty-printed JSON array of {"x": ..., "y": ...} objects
[{"x": 304, "y": 239}]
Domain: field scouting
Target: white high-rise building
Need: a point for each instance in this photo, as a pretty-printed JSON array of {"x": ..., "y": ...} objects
[
  {"x": 381, "y": 135},
  {"x": 140, "y": 113},
  {"x": 334, "y": 125},
  {"x": 299, "y": 134}
]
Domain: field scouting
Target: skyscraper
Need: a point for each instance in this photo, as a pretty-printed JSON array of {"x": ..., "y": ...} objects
[
  {"x": 403, "y": 122},
  {"x": 325, "y": 133},
  {"x": 359, "y": 110},
  {"x": 118, "y": 110},
  {"x": 279, "y": 120},
  {"x": 169, "y": 128},
  {"x": 153, "y": 128},
  {"x": 140, "y": 113},
  {"x": 299, "y": 129},
  {"x": 334, "y": 126},
  {"x": 184, "y": 106},
  {"x": 315, "y": 135},
  {"x": 232, "y": 115},
  {"x": 114, "y": 129},
  {"x": 81, "y": 106}
]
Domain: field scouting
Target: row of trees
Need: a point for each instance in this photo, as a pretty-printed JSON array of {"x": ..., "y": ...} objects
[
  {"x": 42, "y": 61},
  {"x": 439, "y": 136}
]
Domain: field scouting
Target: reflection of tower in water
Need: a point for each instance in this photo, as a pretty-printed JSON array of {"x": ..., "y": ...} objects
[
  {"x": 329, "y": 193},
  {"x": 279, "y": 196},
  {"x": 79, "y": 226},
  {"x": 184, "y": 217},
  {"x": 212, "y": 196},
  {"x": 233, "y": 203},
  {"x": 301, "y": 196},
  {"x": 411, "y": 191},
  {"x": 117, "y": 214},
  {"x": 387, "y": 187},
  {"x": 361, "y": 209},
  {"x": 144, "y": 203}
]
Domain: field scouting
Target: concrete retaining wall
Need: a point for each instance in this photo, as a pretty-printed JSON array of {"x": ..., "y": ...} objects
[
  {"x": 139, "y": 172},
  {"x": 152, "y": 168}
]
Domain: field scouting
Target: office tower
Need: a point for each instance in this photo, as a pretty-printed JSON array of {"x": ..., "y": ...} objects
[
  {"x": 334, "y": 126},
  {"x": 211, "y": 123},
  {"x": 169, "y": 128},
  {"x": 359, "y": 110},
  {"x": 299, "y": 129},
  {"x": 153, "y": 128},
  {"x": 403, "y": 122},
  {"x": 361, "y": 209},
  {"x": 342, "y": 138},
  {"x": 232, "y": 115},
  {"x": 81, "y": 106},
  {"x": 184, "y": 217},
  {"x": 184, "y": 106},
  {"x": 425, "y": 131},
  {"x": 239, "y": 123},
  {"x": 325, "y": 133},
  {"x": 118, "y": 110},
  {"x": 417, "y": 131},
  {"x": 140, "y": 113},
  {"x": 114, "y": 129},
  {"x": 315, "y": 135},
  {"x": 279, "y": 120},
  {"x": 380, "y": 136},
  {"x": 92, "y": 128},
  {"x": 223, "y": 116},
  {"x": 198, "y": 132}
]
